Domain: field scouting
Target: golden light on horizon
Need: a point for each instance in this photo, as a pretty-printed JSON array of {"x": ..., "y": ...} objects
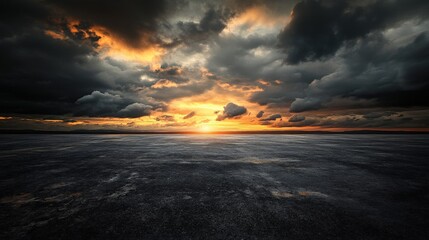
[{"x": 205, "y": 129}]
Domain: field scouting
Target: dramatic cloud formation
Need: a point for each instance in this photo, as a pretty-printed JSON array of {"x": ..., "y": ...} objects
[
  {"x": 301, "y": 104},
  {"x": 319, "y": 28},
  {"x": 132, "y": 21},
  {"x": 212, "y": 23},
  {"x": 272, "y": 117},
  {"x": 260, "y": 114},
  {"x": 99, "y": 104},
  {"x": 135, "y": 110},
  {"x": 148, "y": 65},
  {"x": 231, "y": 110},
  {"x": 296, "y": 118}
]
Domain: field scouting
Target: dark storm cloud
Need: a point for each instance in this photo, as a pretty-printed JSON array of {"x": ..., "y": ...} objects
[
  {"x": 244, "y": 60},
  {"x": 171, "y": 72},
  {"x": 54, "y": 75},
  {"x": 17, "y": 15},
  {"x": 215, "y": 18},
  {"x": 170, "y": 69},
  {"x": 212, "y": 23},
  {"x": 305, "y": 104},
  {"x": 417, "y": 119},
  {"x": 132, "y": 21},
  {"x": 99, "y": 104},
  {"x": 275, "y": 7},
  {"x": 272, "y": 117},
  {"x": 234, "y": 56},
  {"x": 319, "y": 28},
  {"x": 231, "y": 110},
  {"x": 260, "y": 114},
  {"x": 172, "y": 81},
  {"x": 43, "y": 75},
  {"x": 135, "y": 110},
  {"x": 40, "y": 74},
  {"x": 46, "y": 75},
  {"x": 374, "y": 71},
  {"x": 368, "y": 71},
  {"x": 189, "y": 115},
  {"x": 332, "y": 56},
  {"x": 296, "y": 118}
]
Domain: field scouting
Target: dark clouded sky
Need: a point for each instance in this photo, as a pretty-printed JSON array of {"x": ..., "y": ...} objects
[{"x": 214, "y": 65}]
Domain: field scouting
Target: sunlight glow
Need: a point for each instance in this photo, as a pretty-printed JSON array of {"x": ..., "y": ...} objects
[{"x": 205, "y": 129}]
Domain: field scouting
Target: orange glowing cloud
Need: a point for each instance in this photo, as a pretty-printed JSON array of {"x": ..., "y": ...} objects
[
  {"x": 256, "y": 17},
  {"x": 112, "y": 46},
  {"x": 209, "y": 105},
  {"x": 164, "y": 83},
  {"x": 116, "y": 48}
]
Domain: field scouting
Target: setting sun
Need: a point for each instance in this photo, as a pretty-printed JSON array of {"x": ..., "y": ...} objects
[{"x": 205, "y": 129}]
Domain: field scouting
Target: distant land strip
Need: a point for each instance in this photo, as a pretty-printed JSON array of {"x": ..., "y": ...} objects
[{"x": 101, "y": 131}]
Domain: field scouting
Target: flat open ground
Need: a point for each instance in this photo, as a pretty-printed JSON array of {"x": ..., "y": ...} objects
[{"x": 214, "y": 186}]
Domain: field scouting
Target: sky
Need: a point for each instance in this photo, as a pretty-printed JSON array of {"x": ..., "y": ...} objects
[{"x": 226, "y": 65}]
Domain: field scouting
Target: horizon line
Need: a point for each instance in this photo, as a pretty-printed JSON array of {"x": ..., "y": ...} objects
[{"x": 107, "y": 131}]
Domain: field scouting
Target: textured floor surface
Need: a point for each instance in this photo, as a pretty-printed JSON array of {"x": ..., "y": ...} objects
[{"x": 214, "y": 186}]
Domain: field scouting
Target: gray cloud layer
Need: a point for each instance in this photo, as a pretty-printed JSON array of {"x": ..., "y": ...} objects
[
  {"x": 231, "y": 110},
  {"x": 357, "y": 60},
  {"x": 319, "y": 28},
  {"x": 272, "y": 117}
]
